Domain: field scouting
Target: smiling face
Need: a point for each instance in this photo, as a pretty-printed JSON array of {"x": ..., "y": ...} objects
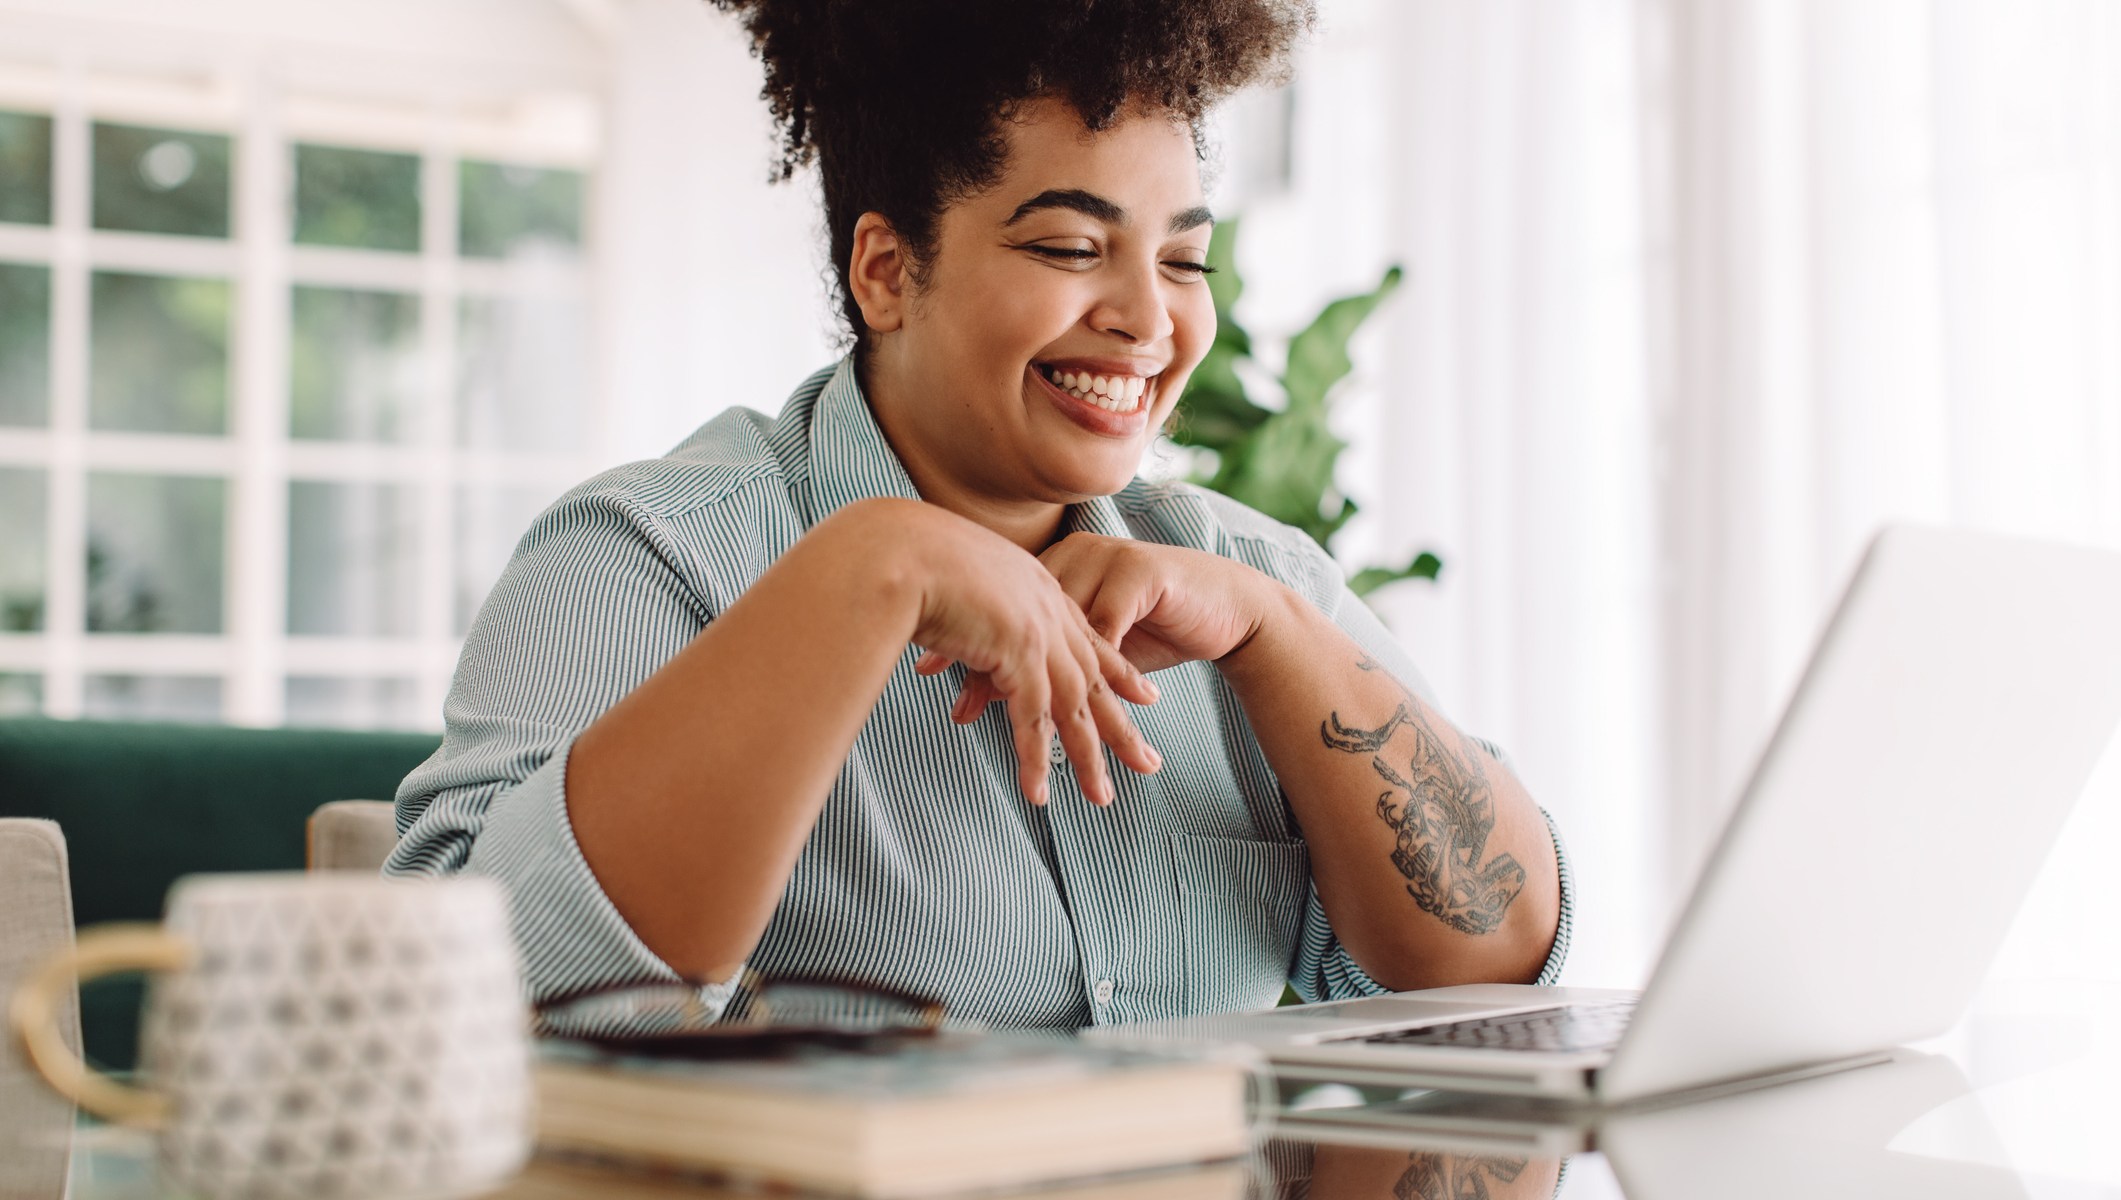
[{"x": 1063, "y": 309}]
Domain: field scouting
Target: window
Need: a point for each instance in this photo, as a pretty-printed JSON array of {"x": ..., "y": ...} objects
[{"x": 283, "y": 376}]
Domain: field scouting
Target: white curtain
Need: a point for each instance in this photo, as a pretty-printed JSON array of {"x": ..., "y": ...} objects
[{"x": 1700, "y": 293}]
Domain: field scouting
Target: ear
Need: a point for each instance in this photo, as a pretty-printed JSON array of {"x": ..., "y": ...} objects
[{"x": 876, "y": 272}]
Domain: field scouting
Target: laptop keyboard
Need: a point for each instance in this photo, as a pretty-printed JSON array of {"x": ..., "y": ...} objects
[{"x": 1589, "y": 1026}]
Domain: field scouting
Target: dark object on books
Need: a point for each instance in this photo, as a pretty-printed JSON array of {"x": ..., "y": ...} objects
[
  {"x": 766, "y": 1017},
  {"x": 901, "y": 1116}
]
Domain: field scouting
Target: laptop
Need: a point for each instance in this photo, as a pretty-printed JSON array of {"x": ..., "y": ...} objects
[{"x": 1949, "y": 718}]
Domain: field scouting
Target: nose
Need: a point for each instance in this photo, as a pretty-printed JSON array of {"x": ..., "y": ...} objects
[{"x": 1132, "y": 306}]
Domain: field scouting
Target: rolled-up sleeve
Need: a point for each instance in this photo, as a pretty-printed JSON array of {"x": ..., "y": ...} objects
[{"x": 593, "y": 602}]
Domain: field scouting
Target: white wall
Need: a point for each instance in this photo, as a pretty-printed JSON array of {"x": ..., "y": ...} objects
[{"x": 713, "y": 280}]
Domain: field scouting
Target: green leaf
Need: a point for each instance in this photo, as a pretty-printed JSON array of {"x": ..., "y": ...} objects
[
  {"x": 1318, "y": 357},
  {"x": 1224, "y": 283},
  {"x": 1369, "y": 579},
  {"x": 1285, "y": 470},
  {"x": 1215, "y": 411}
]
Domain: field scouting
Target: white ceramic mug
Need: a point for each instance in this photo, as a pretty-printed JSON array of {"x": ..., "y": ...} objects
[{"x": 313, "y": 1035}]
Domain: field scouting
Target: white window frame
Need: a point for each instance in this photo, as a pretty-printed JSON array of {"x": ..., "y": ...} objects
[{"x": 268, "y": 95}]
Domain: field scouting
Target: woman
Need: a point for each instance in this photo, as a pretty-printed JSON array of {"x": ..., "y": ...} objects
[{"x": 916, "y": 683}]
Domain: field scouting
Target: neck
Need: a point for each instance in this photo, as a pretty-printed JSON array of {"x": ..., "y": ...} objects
[{"x": 1031, "y": 524}]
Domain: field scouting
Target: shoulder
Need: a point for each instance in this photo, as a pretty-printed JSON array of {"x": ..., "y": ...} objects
[
  {"x": 1184, "y": 514},
  {"x": 740, "y": 454}
]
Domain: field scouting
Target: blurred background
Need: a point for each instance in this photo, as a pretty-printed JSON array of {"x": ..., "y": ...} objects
[{"x": 307, "y": 309}]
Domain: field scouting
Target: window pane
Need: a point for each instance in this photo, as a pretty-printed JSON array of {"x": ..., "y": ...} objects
[
  {"x": 25, "y": 168},
  {"x": 25, "y": 343},
  {"x": 352, "y": 557},
  {"x": 21, "y": 695},
  {"x": 361, "y": 198},
  {"x": 155, "y": 553},
  {"x": 151, "y": 697},
  {"x": 158, "y": 354},
  {"x": 503, "y": 209},
  {"x": 353, "y": 365},
  {"x": 21, "y": 550},
  {"x": 161, "y": 180},
  {"x": 522, "y": 378},
  {"x": 323, "y": 703},
  {"x": 490, "y": 521}
]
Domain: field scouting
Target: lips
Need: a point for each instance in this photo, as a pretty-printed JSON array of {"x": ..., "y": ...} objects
[{"x": 1088, "y": 413}]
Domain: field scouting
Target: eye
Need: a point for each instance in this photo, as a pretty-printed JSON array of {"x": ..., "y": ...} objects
[
  {"x": 1064, "y": 254},
  {"x": 1198, "y": 270}
]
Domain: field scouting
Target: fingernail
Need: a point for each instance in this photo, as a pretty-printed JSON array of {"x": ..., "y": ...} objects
[
  {"x": 1154, "y": 695},
  {"x": 1038, "y": 795},
  {"x": 1156, "y": 761}
]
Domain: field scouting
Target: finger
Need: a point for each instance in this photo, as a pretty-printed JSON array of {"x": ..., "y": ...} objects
[
  {"x": 973, "y": 697},
  {"x": 1032, "y": 724},
  {"x": 1126, "y": 678},
  {"x": 1079, "y": 581},
  {"x": 1114, "y": 609},
  {"x": 1077, "y": 726},
  {"x": 934, "y": 662},
  {"x": 1115, "y": 726}
]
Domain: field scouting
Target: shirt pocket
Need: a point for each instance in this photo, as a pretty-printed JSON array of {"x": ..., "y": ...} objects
[{"x": 1241, "y": 903}]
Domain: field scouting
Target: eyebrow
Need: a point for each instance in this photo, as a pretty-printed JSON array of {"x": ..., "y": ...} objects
[{"x": 1097, "y": 208}]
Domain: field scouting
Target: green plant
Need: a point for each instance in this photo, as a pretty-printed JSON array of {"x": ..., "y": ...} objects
[{"x": 1281, "y": 460}]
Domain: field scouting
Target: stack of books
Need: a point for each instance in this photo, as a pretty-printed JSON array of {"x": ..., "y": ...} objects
[{"x": 953, "y": 1113}]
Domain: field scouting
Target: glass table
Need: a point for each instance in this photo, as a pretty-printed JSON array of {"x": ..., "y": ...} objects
[{"x": 2017, "y": 1102}]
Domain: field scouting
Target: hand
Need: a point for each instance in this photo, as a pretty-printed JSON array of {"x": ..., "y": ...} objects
[
  {"x": 1160, "y": 605},
  {"x": 987, "y": 604}
]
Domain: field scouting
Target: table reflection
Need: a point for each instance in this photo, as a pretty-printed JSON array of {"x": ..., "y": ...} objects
[
  {"x": 1326, "y": 1171},
  {"x": 1834, "y": 1136}
]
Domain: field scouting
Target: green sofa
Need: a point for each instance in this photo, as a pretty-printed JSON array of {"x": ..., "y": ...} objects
[{"x": 142, "y": 804}]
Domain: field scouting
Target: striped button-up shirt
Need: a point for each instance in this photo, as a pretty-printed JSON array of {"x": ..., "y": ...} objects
[{"x": 927, "y": 871}]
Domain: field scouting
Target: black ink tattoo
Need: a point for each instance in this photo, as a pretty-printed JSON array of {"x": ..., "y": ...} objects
[
  {"x": 1443, "y": 821},
  {"x": 1454, "y": 1177}
]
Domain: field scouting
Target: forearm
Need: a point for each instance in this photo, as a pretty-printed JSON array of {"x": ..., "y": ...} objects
[
  {"x": 1432, "y": 862},
  {"x": 692, "y": 797}
]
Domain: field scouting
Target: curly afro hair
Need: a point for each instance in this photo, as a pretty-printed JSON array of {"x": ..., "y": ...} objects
[{"x": 901, "y": 102}]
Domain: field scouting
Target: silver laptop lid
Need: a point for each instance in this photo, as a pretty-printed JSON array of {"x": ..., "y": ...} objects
[{"x": 1949, "y": 718}]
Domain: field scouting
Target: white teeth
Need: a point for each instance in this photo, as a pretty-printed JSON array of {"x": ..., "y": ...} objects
[{"x": 1115, "y": 393}]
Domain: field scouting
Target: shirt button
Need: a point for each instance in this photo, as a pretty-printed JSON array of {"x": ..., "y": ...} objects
[
  {"x": 1056, "y": 753},
  {"x": 1103, "y": 991}
]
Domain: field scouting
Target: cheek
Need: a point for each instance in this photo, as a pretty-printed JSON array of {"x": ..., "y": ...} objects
[
  {"x": 1010, "y": 321},
  {"x": 1193, "y": 324}
]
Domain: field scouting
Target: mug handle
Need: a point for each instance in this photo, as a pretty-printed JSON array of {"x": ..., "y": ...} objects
[{"x": 34, "y": 1013}]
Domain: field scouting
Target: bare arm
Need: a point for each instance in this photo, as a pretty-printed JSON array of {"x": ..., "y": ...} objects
[
  {"x": 1432, "y": 862},
  {"x": 692, "y": 797}
]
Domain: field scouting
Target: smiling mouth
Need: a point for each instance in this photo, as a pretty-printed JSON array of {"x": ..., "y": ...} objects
[{"x": 1117, "y": 394}]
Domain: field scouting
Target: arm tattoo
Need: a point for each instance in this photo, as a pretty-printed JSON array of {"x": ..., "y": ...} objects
[
  {"x": 1443, "y": 811},
  {"x": 1454, "y": 1177}
]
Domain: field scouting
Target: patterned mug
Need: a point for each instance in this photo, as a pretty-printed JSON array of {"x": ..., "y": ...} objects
[{"x": 312, "y": 1035}]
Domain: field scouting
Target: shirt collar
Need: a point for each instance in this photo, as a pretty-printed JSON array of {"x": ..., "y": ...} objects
[
  {"x": 1099, "y": 515},
  {"x": 850, "y": 460}
]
